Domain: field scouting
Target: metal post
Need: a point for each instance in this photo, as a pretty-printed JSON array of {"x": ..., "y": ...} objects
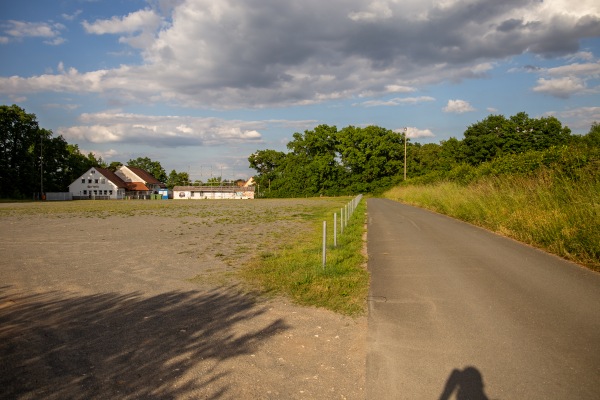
[
  {"x": 405, "y": 153},
  {"x": 334, "y": 229},
  {"x": 346, "y": 214},
  {"x": 324, "y": 242}
]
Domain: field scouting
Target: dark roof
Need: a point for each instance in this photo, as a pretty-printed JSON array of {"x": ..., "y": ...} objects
[
  {"x": 111, "y": 176},
  {"x": 145, "y": 175}
]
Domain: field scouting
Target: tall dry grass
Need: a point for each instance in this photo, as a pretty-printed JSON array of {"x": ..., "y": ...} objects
[{"x": 551, "y": 209}]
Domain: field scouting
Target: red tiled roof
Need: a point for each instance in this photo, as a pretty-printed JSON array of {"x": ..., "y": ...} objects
[
  {"x": 146, "y": 176},
  {"x": 136, "y": 187},
  {"x": 108, "y": 174}
]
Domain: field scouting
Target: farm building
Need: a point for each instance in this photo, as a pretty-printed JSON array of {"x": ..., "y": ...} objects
[
  {"x": 213, "y": 192},
  {"x": 126, "y": 182},
  {"x": 135, "y": 175}
]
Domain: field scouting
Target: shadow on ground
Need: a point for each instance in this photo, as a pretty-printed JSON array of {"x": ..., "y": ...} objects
[{"x": 167, "y": 346}]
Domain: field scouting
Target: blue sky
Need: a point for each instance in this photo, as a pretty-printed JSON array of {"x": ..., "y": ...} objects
[{"x": 199, "y": 85}]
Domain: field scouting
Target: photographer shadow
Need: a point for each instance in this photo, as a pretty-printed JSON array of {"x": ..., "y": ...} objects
[{"x": 468, "y": 384}]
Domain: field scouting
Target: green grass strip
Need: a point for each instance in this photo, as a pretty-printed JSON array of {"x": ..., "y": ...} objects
[{"x": 296, "y": 269}]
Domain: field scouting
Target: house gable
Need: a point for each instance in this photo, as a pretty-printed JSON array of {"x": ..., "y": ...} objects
[
  {"x": 97, "y": 182},
  {"x": 134, "y": 174}
]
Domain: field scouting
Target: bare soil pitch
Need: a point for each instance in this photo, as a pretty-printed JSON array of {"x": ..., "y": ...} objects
[{"x": 98, "y": 305}]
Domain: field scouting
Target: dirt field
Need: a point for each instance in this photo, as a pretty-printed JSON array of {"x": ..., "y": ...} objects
[{"x": 98, "y": 303}]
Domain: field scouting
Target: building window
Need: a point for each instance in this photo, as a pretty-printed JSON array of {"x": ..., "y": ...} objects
[
  {"x": 102, "y": 180},
  {"x": 110, "y": 192},
  {"x": 89, "y": 181},
  {"x": 95, "y": 192},
  {"x": 83, "y": 180},
  {"x": 93, "y": 171},
  {"x": 105, "y": 192},
  {"x": 85, "y": 192},
  {"x": 95, "y": 180}
]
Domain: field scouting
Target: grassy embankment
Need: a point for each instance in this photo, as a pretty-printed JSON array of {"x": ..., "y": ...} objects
[
  {"x": 296, "y": 271},
  {"x": 548, "y": 199}
]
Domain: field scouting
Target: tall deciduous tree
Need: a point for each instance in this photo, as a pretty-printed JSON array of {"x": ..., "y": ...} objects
[
  {"x": 19, "y": 132},
  {"x": 496, "y": 136},
  {"x": 153, "y": 167},
  {"x": 177, "y": 179},
  {"x": 371, "y": 157}
]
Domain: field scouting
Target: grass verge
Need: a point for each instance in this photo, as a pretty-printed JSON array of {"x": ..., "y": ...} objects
[
  {"x": 296, "y": 270},
  {"x": 550, "y": 209}
]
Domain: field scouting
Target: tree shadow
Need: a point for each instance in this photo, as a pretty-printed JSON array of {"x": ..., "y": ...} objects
[
  {"x": 468, "y": 384},
  {"x": 57, "y": 346}
]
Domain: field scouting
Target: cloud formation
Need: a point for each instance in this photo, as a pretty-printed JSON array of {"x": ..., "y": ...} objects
[
  {"x": 458, "y": 107},
  {"x": 18, "y": 30},
  {"x": 166, "y": 131},
  {"x": 262, "y": 53}
]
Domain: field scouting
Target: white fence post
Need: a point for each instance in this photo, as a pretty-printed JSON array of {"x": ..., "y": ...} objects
[
  {"x": 334, "y": 229},
  {"x": 324, "y": 242}
]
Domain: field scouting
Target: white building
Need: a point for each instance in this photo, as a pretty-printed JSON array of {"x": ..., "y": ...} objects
[
  {"x": 137, "y": 175},
  {"x": 98, "y": 183},
  {"x": 126, "y": 182},
  {"x": 213, "y": 192}
]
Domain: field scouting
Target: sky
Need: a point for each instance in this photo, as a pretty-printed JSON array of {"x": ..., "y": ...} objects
[{"x": 199, "y": 85}]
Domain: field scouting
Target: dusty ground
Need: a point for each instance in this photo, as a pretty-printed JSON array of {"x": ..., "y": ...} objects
[{"x": 101, "y": 304}]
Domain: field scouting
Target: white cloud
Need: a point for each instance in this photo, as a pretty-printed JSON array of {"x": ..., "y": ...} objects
[
  {"x": 580, "y": 119},
  {"x": 161, "y": 131},
  {"x": 72, "y": 17},
  {"x": 144, "y": 22},
  {"x": 560, "y": 87},
  {"x": 231, "y": 54},
  {"x": 133, "y": 22},
  {"x": 458, "y": 107},
  {"x": 17, "y": 30},
  {"x": 398, "y": 101},
  {"x": 413, "y": 132},
  {"x": 592, "y": 69}
]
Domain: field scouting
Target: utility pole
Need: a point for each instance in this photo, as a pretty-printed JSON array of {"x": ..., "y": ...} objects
[
  {"x": 405, "y": 152},
  {"x": 41, "y": 165}
]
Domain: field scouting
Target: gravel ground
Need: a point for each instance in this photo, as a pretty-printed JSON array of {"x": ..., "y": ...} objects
[{"x": 102, "y": 305}]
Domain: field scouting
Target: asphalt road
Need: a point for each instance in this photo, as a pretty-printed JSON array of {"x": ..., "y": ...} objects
[{"x": 458, "y": 312}]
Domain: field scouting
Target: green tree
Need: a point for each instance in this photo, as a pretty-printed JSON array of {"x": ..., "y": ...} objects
[
  {"x": 153, "y": 167},
  {"x": 314, "y": 153},
  {"x": 19, "y": 131},
  {"x": 593, "y": 136},
  {"x": 177, "y": 179},
  {"x": 115, "y": 165},
  {"x": 371, "y": 157},
  {"x": 497, "y": 136},
  {"x": 268, "y": 164}
]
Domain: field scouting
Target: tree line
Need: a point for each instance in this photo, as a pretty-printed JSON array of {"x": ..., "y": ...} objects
[
  {"x": 33, "y": 161},
  {"x": 329, "y": 162},
  {"x": 323, "y": 161}
]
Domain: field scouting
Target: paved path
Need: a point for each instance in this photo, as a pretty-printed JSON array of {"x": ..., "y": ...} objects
[{"x": 454, "y": 307}]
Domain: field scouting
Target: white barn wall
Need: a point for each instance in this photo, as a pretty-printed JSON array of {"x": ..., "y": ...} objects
[{"x": 95, "y": 181}]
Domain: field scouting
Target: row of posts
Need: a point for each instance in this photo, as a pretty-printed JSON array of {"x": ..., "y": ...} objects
[{"x": 345, "y": 214}]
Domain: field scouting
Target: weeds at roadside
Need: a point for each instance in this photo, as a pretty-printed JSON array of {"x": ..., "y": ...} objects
[
  {"x": 550, "y": 209},
  {"x": 297, "y": 271}
]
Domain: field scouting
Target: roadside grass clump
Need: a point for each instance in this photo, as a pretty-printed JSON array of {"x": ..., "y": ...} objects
[
  {"x": 295, "y": 269},
  {"x": 555, "y": 207}
]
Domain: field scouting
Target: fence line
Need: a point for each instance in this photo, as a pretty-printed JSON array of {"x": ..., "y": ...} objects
[{"x": 345, "y": 214}]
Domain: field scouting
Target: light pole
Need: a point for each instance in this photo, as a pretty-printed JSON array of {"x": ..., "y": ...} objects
[{"x": 405, "y": 153}]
